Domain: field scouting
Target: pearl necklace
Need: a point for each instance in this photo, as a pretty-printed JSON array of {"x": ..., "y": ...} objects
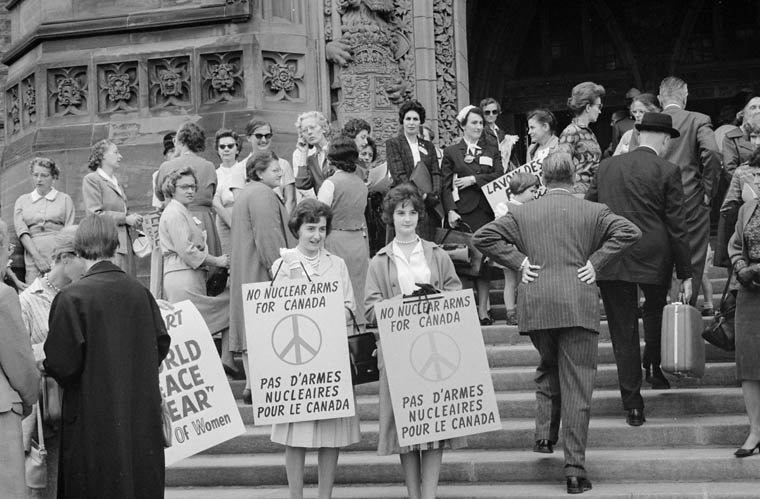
[
  {"x": 50, "y": 284},
  {"x": 313, "y": 261},
  {"x": 413, "y": 241}
]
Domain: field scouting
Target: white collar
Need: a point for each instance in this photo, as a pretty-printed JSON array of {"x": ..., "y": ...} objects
[
  {"x": 50, "y": 196},
  {"x": 679, "y": 106},
  {"x": 650, "y": 148},
  {"x": 108, "y": 177},
  {"x": 470, "y": 145}
]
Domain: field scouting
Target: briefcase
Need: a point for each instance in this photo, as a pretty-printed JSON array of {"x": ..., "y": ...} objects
[
  {"x": 682, "y": 347},
  {"x": 458, "y": 245}
]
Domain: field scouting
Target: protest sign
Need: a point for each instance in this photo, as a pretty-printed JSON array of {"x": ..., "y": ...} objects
[
  {"x": 202, "y": 408},
  {"x": 297, "y": 350},
  {"x": 437, "y": 369},
  {"x": 497, "y": 191}
]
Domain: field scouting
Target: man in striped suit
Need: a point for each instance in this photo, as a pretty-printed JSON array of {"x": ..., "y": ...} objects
[{"x": 558, "y": 243}]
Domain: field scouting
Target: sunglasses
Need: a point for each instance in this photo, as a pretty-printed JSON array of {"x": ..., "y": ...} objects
[
  {"x": 491, "y": 112},
  {"x": 260, "y": 136},
  {"x": 226, "y": 146}
]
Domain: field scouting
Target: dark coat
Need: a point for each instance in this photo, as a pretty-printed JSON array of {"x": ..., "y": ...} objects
[
  {"x": 560, "y": 233},
  {"x": 312, "y": 175},
  {"x": 453, "y": 162},
  {"x": 106, "y": 341},
  {"x": 398, "y": 154},
  {"x": 647, "y": 191},
  {"x": 736, "y": 150}
]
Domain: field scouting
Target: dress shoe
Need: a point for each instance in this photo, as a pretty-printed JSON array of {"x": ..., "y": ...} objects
[
  {"x": 233, "y": 373},
  {"x": 247, "y": 397},
  {"x": 635, "y": 417},
  {"x": 742, "y": 452},
  {"x": 543, "y": 446},
  {"x": 578, "y": 485},
  {"x": 511, "y": 319},
  {"x": 486, "y": 321},
  {"x": 659, "y": 381}
]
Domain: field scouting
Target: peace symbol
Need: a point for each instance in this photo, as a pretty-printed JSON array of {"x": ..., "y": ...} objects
[
  {"x": 296, "y": 339},
  {"x": 435, "y": 356}
]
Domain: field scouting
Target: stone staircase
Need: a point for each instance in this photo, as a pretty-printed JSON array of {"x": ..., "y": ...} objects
[{"x": 684, "y": 450}]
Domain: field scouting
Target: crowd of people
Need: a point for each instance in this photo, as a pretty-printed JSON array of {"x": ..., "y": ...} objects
[{"x": 83, "y": 319}]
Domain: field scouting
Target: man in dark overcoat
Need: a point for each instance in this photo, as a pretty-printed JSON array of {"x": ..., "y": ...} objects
[
  {"x": 106, "y": 341},
  {"x": 558, "y": 243},
  {"x": 647, "y": 190}
]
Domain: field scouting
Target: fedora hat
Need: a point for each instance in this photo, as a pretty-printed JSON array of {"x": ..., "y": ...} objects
[{"x": 657, "y": 122}]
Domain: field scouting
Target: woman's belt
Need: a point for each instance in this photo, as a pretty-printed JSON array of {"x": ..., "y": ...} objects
[{"x": 44, "y": 228}]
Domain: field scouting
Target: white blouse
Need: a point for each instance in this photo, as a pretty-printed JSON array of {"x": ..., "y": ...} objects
[{"x": 411, "y": 271}]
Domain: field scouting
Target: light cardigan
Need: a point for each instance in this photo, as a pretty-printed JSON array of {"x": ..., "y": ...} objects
[{"x": 183, "y": 243}]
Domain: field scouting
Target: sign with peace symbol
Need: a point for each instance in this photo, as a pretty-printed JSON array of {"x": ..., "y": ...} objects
[
  {"x": 435, "y": 356},
  {"x": 296, "y": 339}
]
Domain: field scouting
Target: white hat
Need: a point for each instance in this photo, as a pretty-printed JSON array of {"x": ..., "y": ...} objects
[{"x": 463, "y": 114}]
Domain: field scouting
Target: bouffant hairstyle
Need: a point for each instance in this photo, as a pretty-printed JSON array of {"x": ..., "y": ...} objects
[
  {"x": 320, "y": 119},
  {"x": 401, "y": 194},
  {"x": 192, "y": 136},
  {"x": 411, "y": 105},
  {"x": 649, "y": 101},
  {"x": 255, "y": 124},
  {"x": 343, "y": 154},
  {"x": 488, "y": 101},
  {"x": 584, "y": 94},
  {"x": 169, "y": 187},
  {"x": 372, "y": 145},
  {"x": 309, "y": 211},
  {"x": 544, "y": 116},
  {"x": 46, "y": 163},
  {"x": 97, "y": 152},
  {"x": 96, "y": 238},
  {"x": 226, "y": 132},
  {"x": 354, "y": 126},
  {"x": 258, "y": 163},
  {"x": 558, "y": 168},
  {"x": 521, "y": 182}
]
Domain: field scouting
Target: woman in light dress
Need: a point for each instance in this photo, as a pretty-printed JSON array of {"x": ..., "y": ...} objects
[{"x": 642, "y": 103}]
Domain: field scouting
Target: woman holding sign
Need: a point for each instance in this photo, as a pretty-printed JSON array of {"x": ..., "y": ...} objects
[
  {"x": 310, "y": 223},
  {"x": 397, "y": 269}
]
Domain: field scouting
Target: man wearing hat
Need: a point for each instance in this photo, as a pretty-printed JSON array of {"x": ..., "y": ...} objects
[{"x": 647, "y": 190}]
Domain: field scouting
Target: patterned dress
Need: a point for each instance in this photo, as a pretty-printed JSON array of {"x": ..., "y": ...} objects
[{"x": 582, "y": 144}]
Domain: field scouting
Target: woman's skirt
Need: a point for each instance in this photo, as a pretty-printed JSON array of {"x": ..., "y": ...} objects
[
  {"x": 337, "y": 432},
  {"x": 353, "y": 248},
  {"x": 747, "y": 324},
  {"x": 45, "y": 243},
  {"x": 190, "y": 285}
]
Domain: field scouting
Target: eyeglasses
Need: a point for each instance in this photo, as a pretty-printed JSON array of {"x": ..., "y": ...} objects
[
  {"x": 226, "y": 146},
  {"x": 260, "y": 136},
  {"x": 488, "y": 112},
  {"x": 188, "y": 187}
]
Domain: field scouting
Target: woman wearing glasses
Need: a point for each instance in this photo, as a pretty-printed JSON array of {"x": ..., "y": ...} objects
[
  {"x": 229, "y": 176},
  {"x": 577, "y": 138},
  {"x": 260, "y": 136}
]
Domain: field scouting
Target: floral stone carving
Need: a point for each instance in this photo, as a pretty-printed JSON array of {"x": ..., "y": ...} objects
[
  {"x": 283, "y": 76},
  {"x": 445, "y": 71},
  {"x": 222, "y": 77},
  {"x": 118, "y": 87},
  {"x": 14, "y": 109},
  {"x": 28, "y": 101},
  {"x": 169, "y": 82},
  {"x": 67, "y": 91}
]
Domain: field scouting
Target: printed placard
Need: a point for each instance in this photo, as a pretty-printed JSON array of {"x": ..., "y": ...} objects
[
  {"x": 435, "y": 360},
  {"x": 203, "y": 410},
  {"x": 497, "y": 191},
  {"x": 297, "y": 350}
]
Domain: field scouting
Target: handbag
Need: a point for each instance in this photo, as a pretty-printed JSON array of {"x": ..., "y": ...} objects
[
  {"x": 456, "y": 244},
  {"x": 216, "y": 281},
  {"x": 362, "y": 352},
  {"x": 166, "y": 422},
  {"x": 720, "y": 332},
  {"x": 51, "y": 400},
  {"x": 35, "y": 462}
]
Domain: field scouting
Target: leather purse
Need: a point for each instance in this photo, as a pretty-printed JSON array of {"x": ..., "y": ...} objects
[
  {"x": 458, "y": 245},
  {"x": 362, "y": 352},
  {"x": 35, "y": 462},
  {"x": 50, "y": 400},
  {"x": 216, "y": 281},
  {"x": 720, "y": 332}
]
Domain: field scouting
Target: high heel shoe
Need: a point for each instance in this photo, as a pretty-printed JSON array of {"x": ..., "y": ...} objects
[{"x": 742, "y": 452}]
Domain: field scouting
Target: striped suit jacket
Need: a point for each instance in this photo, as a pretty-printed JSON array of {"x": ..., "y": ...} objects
[{"x": 560, "y": 233}]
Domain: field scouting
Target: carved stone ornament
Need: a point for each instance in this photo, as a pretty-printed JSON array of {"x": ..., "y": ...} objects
[
  {"x": 222, "y": 75},
  {"x": 169, "y": 80},
  {"x": 14, "y": 109},
  {"x": 28, "y": 101},
  {"x": 118, "y": 87},
  {"x": 283, "y": 76},
  {"x": 446, "y": 78},
  {"x": 67, "y": 91}
]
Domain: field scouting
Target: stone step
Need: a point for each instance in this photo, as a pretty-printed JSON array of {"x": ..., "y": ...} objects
[
  {"x": 605, "y": 432},
  {"x": 605, "y": 489},
  {"x": 482, "y": 466},
  {"x": 605, "y": 402}
]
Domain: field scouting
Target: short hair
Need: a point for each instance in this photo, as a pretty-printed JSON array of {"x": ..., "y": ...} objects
[
  {"x": 192, "y": 136},
  {"x": 3, "y": 234},
  {"x": 47, "y": 163},
  {"x": 488, "y": 101},
  {"x": 466, "y": 117},
  {"x": 257, "y": 163},
  {"x": 354, "y": 126},
  {"x": 544, "y": 116},
  {"x": 411, "y": 105},
  {"x": 584, "y": 94},
  {"x": 343, "y": 154},
  {"x": 754, "y": 158},
  {"x": 558, "y": 168},
  {"x": 226, "y": 132},
  {"x": 521, "y": 182},
  {"x": 169, "y": 186},
  {"x": 399, "y": 195},
  {"x": 752, "y": 125},
  {"x": 372, "y": 144},
  {"x": 649, "y": 101},
  {"x": 320, "y": 119},
  {"x": 97, "y": 152},
  {"x": 673, "y": 87},
  {"x": 97, "y": 237},
  {"x": 430, "y": 131},
  {"x": 257, "y": 123},
  {"x": 309, "y": 211}
]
